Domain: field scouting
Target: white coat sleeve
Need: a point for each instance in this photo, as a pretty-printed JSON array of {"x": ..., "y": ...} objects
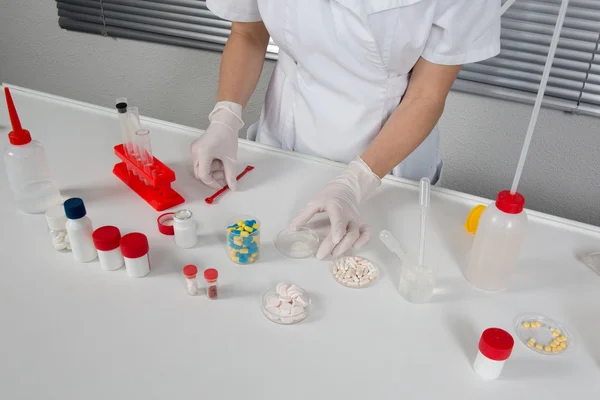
[
  {"x": 457, "y": 36},
  {"x": 235, "y": 10}
]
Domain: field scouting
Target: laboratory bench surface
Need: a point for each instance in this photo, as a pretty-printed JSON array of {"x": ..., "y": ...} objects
[{"x": 74, "y": 331}]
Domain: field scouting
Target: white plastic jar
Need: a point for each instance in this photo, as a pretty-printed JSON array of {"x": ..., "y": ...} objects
[
  {"x": 107, "y": 240},
  {"x": 79, "y": 228},
  {"x": 185, "y": 229},
  {"x": 495, "y": 347},
  {"x": 57, "y": 220},
  {"x": 134, "y": 247}
]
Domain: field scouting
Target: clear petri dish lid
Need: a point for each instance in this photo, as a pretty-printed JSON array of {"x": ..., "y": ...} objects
[
  {"x": 297, "y": 243},
  {"x": 542, "y": 334}
]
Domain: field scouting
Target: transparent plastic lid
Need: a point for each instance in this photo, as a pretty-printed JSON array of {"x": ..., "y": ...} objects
[
  {"x": 297, "y": 243},
  {"x": 542, "y": 334}
]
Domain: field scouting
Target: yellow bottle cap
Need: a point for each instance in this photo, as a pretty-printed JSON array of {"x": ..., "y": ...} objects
[{"x": 473, "y": 218}]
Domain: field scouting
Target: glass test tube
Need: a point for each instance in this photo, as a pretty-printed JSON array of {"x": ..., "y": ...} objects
[
  {"x": 144, "y": 149},
  {"x": 133, "y": 124},
  {"x": 121, "y": 105}
]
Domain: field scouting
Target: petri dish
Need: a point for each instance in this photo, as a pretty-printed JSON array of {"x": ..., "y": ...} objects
[
  {"x": 543, "y": 335},
  {"x": 354, "y": 272},
  {"x": 272, "y": 306},
  {"x": 592, "y": 260},
  {"x": 297, "y": 243}
]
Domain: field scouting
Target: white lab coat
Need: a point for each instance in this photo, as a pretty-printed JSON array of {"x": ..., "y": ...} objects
[{"x": 344, "y": 66}]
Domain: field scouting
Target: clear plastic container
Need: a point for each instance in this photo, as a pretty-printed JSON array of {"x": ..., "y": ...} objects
[
  {"x": 285, "y": 307},
  {"x": 417, "y": 283},
  {"x": 497, "y": 244},
  {"x": 243, "y": 239},
  {"x": 57, "y": 220},
  {"x": 27, "y": 168},
  {"x": 211, "y": 276},
  {"x": 542, "y": 334},
  {"x": 297, "y": 243}
]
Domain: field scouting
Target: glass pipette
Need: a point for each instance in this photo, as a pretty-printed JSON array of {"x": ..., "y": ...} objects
[{"x": 424, "y": 202}]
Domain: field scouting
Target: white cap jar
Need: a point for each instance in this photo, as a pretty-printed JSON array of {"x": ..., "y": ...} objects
[
  {"x": 185, "y": 229},
  {"x": 134, "y": 247},
  {"x": 107, "y": 240},
  {"x": 495, "y": 347}
]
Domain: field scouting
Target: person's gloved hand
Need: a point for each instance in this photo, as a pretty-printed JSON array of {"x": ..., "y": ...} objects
[
  {"x": 214, "y": 154},
  {"x": 340, "y": 200}
]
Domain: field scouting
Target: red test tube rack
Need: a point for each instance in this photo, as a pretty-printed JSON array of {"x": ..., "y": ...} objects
[{"x": 151, "y": 184}]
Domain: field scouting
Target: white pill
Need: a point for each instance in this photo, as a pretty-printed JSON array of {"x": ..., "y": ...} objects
[
  {"x": 301, "y": 300},
  {"x": 285, "y": 309},
  {"x": 294, "y": 293},
  {"x": 285, "y": 299},
  {"x": 57, "y": 240},
  {"x": 62, "y": 233},
  {"x": 352, "y": 284},
  {"x": 334, "y": 269},
  {"x": 355, "y": 279},
  {"x": 60, "y": 246},
  {"x": 297, "y": 310},
  {"x": 67, "y": 239},
  {"x": 273, "y": 300},
  {"x": 273, "y": 310},
  {"x": 364, "y": 281},
  {"x": 53, "y": 234},
  {"x": 68, "y": 246},
  {"x": 282, "y": 289},
  {"x": 287, "y": 320},
  {"x": 294, "y": 287},
  {"x": 299, "y": 317}
]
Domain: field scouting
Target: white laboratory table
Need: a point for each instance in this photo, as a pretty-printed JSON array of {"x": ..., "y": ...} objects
[{"x": 73, "y": 331}]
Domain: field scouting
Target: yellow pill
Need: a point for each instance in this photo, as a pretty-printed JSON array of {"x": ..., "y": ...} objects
[
  {"x": 530, "y": 344},
  {"x": 235, "y": 259},
  {"x": 556, "y": 349},
  {"x": 563, "y": 338},
  {"x": 552, "y": 329},
  {"x": 244, "y": 234},
  {"x": 238, "y": 242},
  {"x": 553, "y": 345},
  {"x": 563, "y": 345},
  {"x": 532, "y": 340},
  {"x": 556, "y": 334},
  {"x": 526, "y": 324},
  {"x": 248, "y": 229},
  {"x": 231, "y": 229},
  {"x": 243, "y": 251},
  {"x": 547, "y": 348},
  {"x": 538, "y": 324},
  {"x": 539, "y": 346},
  {"x": 255, "y": 226}
]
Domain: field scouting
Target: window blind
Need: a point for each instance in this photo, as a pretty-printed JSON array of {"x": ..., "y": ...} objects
[{"x": 515, "y": 74}]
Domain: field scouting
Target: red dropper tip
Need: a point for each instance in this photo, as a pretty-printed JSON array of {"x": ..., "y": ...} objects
[{"x": 18, "y": 136}]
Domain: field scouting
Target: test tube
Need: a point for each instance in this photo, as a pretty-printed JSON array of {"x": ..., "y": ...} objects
[
  {"x": 121, "y": 105},
  {"x": 133, "y": 124},
  {"x": 144, "y": 150}
]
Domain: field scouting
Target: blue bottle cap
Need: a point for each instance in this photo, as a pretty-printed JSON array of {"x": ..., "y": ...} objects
[{"x": 74, "y": 208}]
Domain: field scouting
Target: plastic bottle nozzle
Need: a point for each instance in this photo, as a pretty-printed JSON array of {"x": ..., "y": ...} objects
[{"x": 18, "y": 136}]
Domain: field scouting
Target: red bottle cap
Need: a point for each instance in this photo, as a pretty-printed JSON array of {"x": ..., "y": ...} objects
[
  {"x": 106, "y": 238},
  {"x": 165, "y": 223},
  {"x": 496, "y": 344},
  {"x": 18, "y": 136},
  {"x": 134, "y": 245},
  {"x": 211, "y": 274},
  {"x": 190, "y": 271},
  {"x": 510, "y": 203}
]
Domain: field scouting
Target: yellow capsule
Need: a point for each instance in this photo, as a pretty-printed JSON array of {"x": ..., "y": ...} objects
[
  {"x": 231, "y": 229},
  {"x": 526, "y": 324},
  {"x": 243, "y": 251},
  {"x": 547, "y": 348},
  {"x": 244, "y": 234},
  {"x": 539, "y": 346},
  {"x": 563, "y": 345},
  {"x": 563, "y": 338},
  {"x": 236, "y": 259},
  {"x": 255, "y": 226},
  {"x": 241, "y": 223},
  {"x": 555, "y": 334},
  {"x": 248, "y": 229}
]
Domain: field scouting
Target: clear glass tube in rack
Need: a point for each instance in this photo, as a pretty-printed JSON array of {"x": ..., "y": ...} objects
[
  {"x": 133, "y": 124},
  {"x": 144, "y": 149}
]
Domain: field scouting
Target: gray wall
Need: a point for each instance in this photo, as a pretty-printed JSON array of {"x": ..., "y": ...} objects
[{"x": 481, "y": 136}]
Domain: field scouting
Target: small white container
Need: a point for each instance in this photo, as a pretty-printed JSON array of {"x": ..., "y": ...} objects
[
  {"x": 185, "y": 229},
  {"x": 57, "y": 221},
  {"x": 497, "y": 243},
  {"x": 79, "y": 229},
  {"x": 107, "y": 240},
  {"x": 134, "y": 247},
  {"x": 190, "y": 272},
  {"x": 495, "y": 347}
]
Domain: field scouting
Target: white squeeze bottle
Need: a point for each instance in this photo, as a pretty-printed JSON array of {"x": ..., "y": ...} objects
[
  {"x": 497, "y": 243},
  {"x": 27, "y": 168},
  {"x": 79, "y": 231}
]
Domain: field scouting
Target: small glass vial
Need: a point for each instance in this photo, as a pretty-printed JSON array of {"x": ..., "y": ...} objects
[
  {"x": 190, "y": 271},
  {"x": 211, "y": 275},
  {"x": 185, "y": 229},
  {"x": 107, "y": 240},
  {"x": 57, "y": 220},
  {"x": 495, "y": 347},
  {"x": 417, "y": 283},
  {"x": 79, "y": 228},
  {"x": 134, "y": 247}
]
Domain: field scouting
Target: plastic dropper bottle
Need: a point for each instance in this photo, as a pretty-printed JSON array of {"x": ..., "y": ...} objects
[
  {"x": 497, "y": 243},
  {"x": 27, "y": 168}
]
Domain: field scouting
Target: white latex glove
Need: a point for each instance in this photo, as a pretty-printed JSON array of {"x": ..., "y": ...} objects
[
  {"x": 214, "y": 154},
  {"x": 340, "y": 200}
]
